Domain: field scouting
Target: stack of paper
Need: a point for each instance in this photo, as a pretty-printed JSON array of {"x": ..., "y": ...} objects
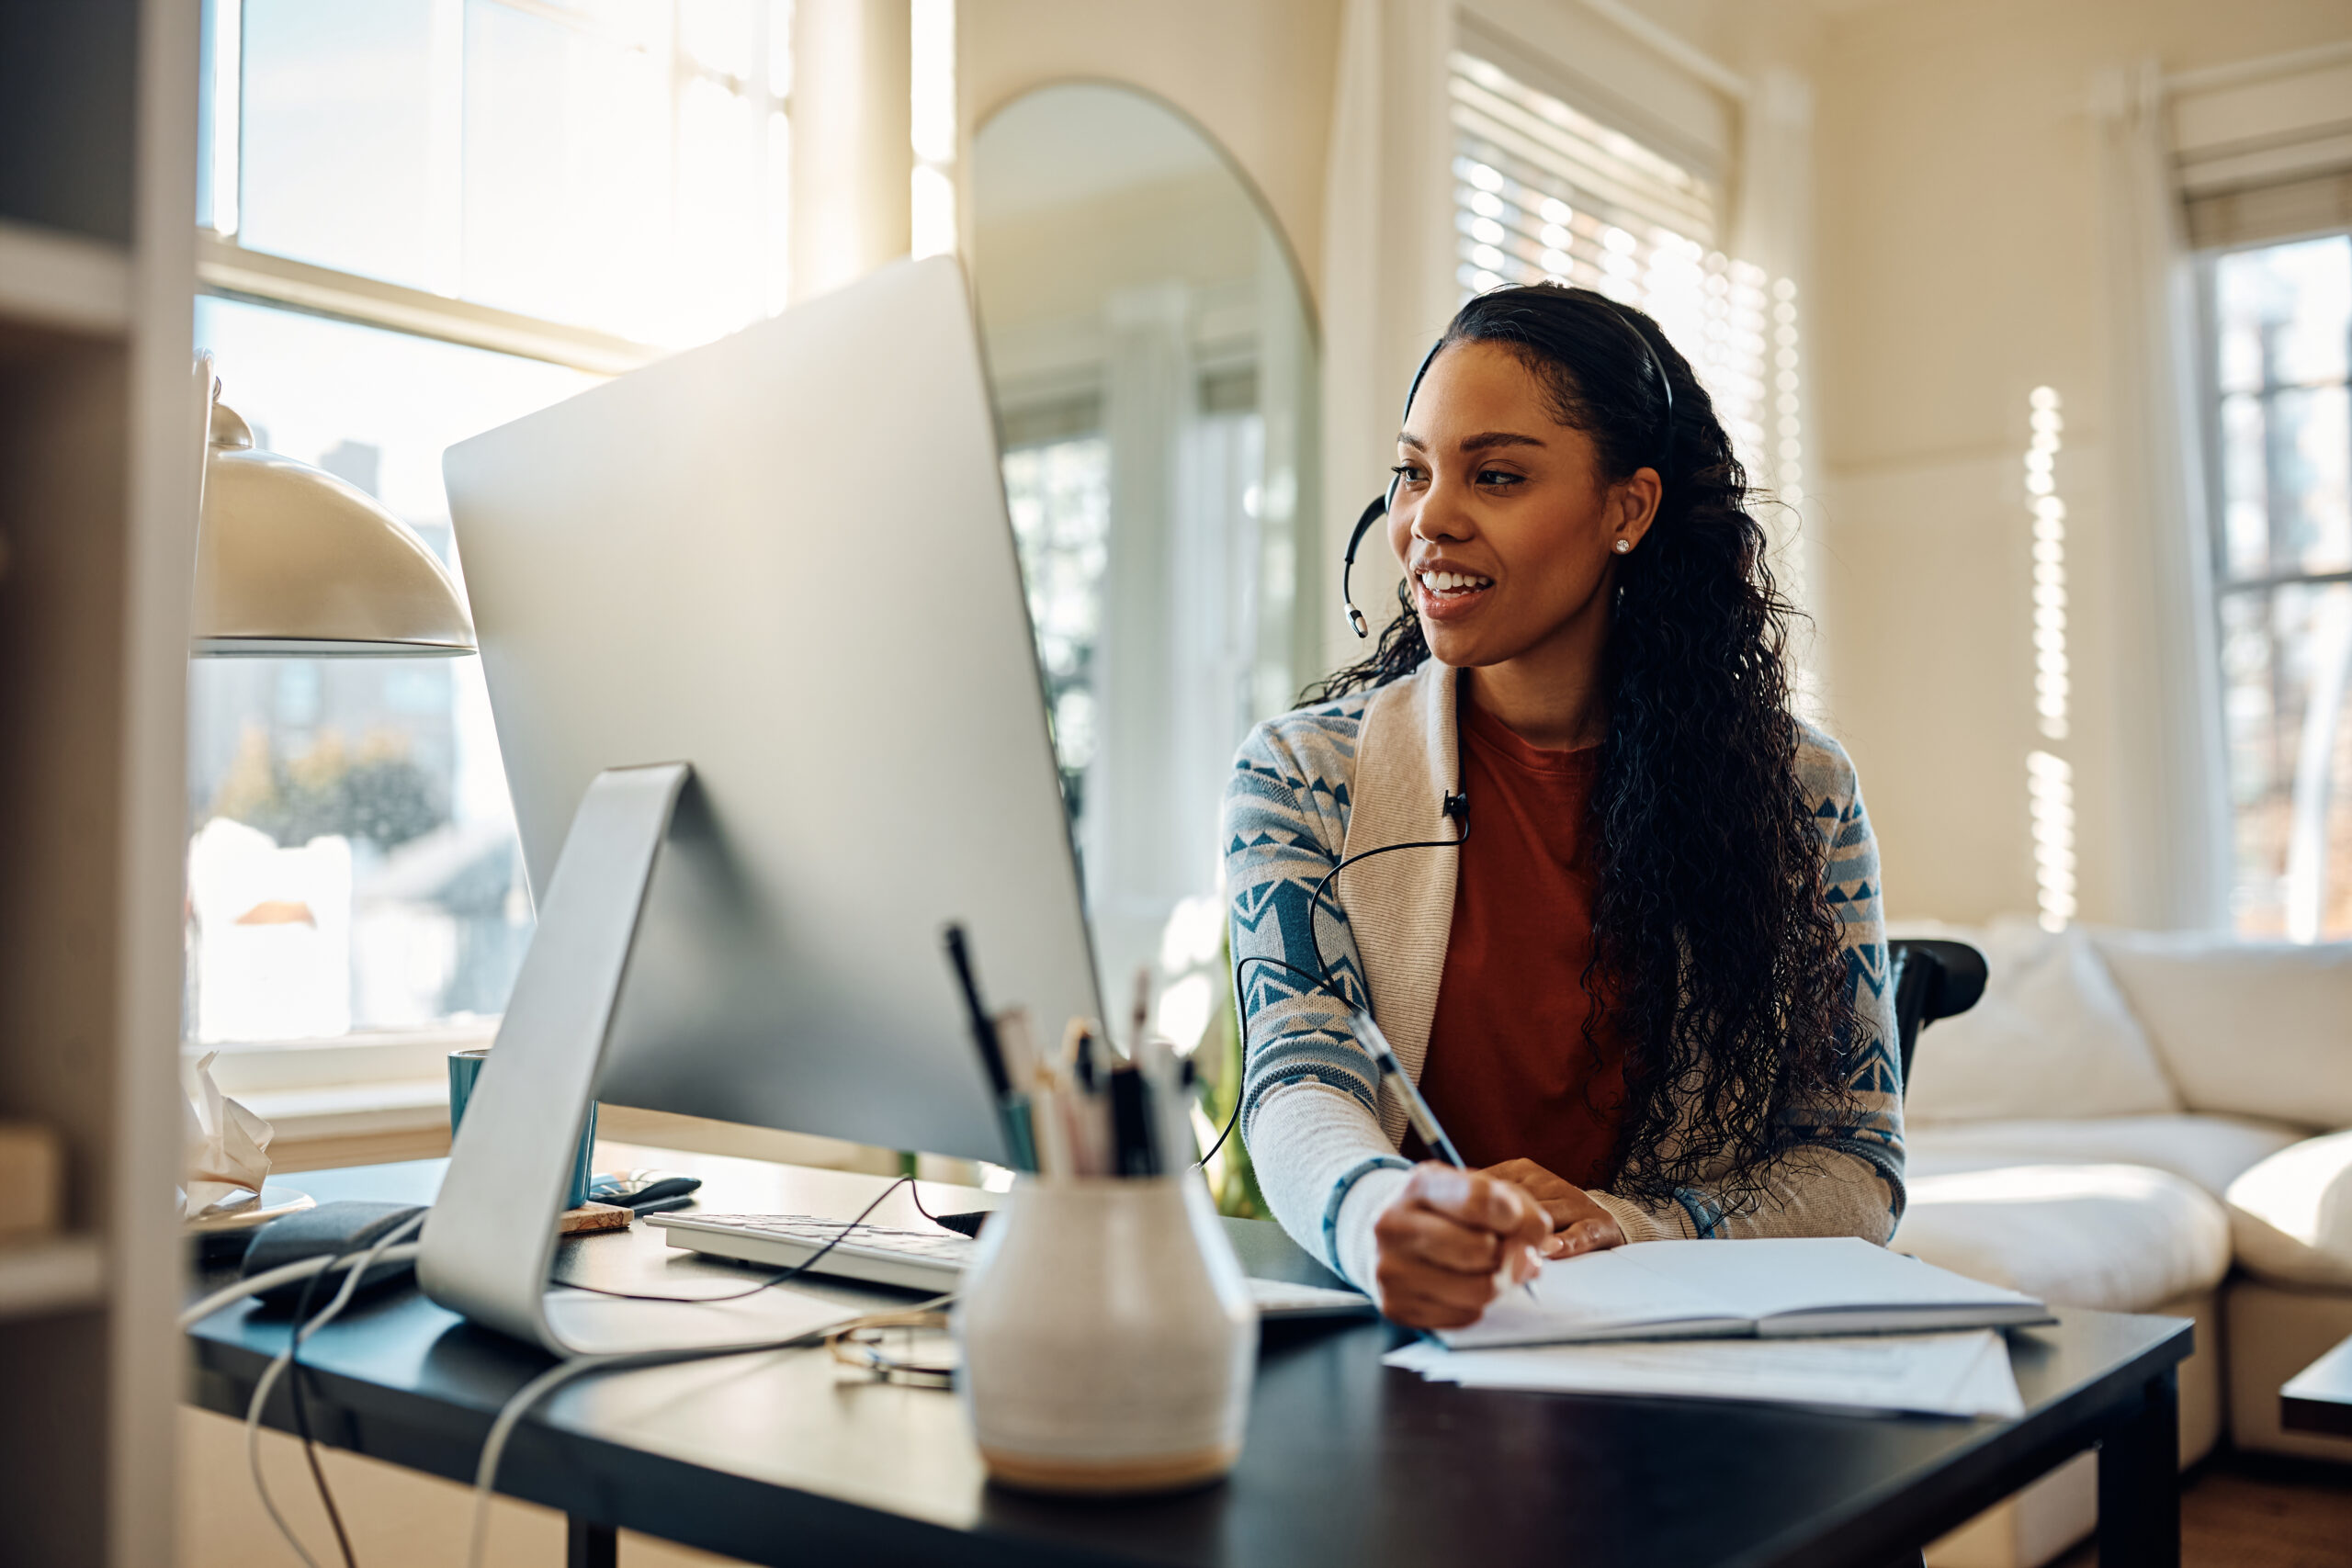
[{"x": 1937, "y": 1374}]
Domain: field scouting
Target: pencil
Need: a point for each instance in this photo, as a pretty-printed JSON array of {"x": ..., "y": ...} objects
[{"x": 1416, "y": 1110}]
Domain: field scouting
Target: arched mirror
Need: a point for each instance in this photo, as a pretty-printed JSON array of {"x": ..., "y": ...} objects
[{"x": 1154, "y": 365}]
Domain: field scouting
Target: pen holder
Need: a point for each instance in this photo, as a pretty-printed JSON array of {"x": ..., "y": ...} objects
[{"x": 1108, "y": 1338}]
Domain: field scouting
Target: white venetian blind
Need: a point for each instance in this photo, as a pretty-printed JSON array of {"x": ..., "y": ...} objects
[
  {"x": 1543, "y": 190},
  {"x": 2264, "y": 151}
]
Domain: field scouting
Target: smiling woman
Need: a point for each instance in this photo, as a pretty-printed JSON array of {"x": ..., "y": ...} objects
[{"x": 1647, "y": 993}]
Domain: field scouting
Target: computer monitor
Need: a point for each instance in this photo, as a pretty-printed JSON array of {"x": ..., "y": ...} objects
[{"x": 785, "y": 560}]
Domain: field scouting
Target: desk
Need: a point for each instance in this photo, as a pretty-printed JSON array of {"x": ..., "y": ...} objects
[
  {"x": 775, "y": 1458},
  {"x": 2319, "y": 1398}
]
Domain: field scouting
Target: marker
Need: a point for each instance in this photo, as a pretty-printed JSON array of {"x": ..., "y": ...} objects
[
  {"x": 1012, "y": 1106},
  {"x": 1416, "y": 1110},
  {"x": 1135, "y": 1145}
]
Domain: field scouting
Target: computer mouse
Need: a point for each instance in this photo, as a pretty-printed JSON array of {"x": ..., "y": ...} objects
[{"x": 636, "y": 1188}]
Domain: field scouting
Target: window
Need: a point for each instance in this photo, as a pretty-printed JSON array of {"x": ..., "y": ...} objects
[
  {"x": 1543, "y": 190},
  {"x": 1058, "y": 488},
  {"x": 597, "y": 181},
  {"x": 617, "y": 166},
  {"x": 380, "y": 775},
  {"x": 2279, "y": 317}
]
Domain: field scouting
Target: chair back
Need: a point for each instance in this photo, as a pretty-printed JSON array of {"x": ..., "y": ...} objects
[{"x": 1933, "y": 978}]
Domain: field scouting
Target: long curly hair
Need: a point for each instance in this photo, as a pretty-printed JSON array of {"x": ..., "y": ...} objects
[{"x": 1716, "y": 953}]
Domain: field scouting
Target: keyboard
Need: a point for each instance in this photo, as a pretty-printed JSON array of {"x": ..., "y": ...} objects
[{"x": 928, "y": 1261}]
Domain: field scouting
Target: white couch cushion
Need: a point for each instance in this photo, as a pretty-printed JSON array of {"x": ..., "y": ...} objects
[
  {"x": 2211, "y": 1151},
  {"x": 2051, "y": 1037},
  {"x": 2119, "y": 1237},
  {"x": 2291, "y": 1215},
  {"x": 2261, "y": 1029}
]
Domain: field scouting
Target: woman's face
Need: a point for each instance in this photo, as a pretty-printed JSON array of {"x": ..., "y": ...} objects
[{"x": 1504, "y": 520}]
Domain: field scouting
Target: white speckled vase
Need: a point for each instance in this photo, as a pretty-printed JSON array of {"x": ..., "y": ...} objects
[{"x": 1108, "y": 1338}]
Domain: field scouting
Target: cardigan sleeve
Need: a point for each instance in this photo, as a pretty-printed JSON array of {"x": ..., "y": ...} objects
[
  {"x": 1842, "y": 1173},
  {"x": 1310, "y": 1094}
]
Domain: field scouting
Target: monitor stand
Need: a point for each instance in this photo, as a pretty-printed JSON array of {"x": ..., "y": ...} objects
[{"x": 490, "y": 1236}]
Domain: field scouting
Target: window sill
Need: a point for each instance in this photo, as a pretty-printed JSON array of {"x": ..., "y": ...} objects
[
  {"x": 368, "y": 1057},
  {"x": 359, "y": 1098}
]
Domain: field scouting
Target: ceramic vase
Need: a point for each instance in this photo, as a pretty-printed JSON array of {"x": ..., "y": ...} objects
[{"x": 1108, "y": 1338}]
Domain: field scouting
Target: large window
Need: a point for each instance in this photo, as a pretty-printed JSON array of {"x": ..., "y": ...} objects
[
  {"x": 479, "y": 174},
  {"x": 2280, "y": 318}
]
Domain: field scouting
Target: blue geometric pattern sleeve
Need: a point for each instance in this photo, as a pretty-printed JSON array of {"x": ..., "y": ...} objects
[{"x": 1285, "y": 817}]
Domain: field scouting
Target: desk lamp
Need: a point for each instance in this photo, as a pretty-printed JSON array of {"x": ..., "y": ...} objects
[{"x": 291, "y": 561}]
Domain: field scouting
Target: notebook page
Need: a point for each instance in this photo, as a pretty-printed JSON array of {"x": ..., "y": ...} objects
[
  {"x": 1598, "y": 1296},
  {"x": 1844, "y": 1276}
]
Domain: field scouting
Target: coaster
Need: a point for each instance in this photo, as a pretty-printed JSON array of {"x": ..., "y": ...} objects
[{"x": 593, "y": 1217}]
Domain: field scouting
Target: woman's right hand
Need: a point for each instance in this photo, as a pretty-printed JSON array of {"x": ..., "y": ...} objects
[{"x": 1449, "y": 1242}]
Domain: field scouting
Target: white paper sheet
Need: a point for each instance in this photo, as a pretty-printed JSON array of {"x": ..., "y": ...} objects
[{"x": 1939, "y": 1374}]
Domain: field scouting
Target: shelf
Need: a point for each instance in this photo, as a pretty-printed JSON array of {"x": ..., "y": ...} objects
[
  {"x": 62, "y": 282},
  {"x": 51, "y": 1276}
]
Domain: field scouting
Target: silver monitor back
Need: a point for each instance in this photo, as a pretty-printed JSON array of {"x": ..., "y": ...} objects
[{"x": 785, "y": 559}]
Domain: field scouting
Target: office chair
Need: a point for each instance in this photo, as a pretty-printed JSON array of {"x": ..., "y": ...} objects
[{"x": 1932, "y": 980}]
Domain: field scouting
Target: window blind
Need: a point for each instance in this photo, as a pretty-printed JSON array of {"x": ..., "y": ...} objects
[
  {"x": 1543, "y": 190},
  {"x": 2266, "y": 155}
]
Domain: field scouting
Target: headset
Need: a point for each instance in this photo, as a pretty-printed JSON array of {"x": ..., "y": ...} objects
[{"x": 1384, "y": 501}]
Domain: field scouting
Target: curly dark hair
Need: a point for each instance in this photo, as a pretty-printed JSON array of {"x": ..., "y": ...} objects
[{"x": 1715, "y": 953}]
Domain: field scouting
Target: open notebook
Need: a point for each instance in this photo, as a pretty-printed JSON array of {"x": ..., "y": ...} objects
[{"x": 1765, "y": 1289}]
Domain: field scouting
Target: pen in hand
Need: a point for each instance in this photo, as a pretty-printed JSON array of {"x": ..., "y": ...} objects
[{"x": 1416, "y": 1110}]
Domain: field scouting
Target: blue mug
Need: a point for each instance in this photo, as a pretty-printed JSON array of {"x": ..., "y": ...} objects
[{"x": 465, "y": 1065}]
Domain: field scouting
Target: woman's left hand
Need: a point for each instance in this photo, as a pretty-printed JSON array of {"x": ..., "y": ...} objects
[{"x": 1579, "y": 1224}]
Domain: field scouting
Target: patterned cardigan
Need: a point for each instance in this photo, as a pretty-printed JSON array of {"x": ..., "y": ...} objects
[{"x": 1334, "y": 780}]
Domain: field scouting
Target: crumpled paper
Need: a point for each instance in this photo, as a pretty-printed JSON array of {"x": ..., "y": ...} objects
[{"x": 227, "y": 1146}]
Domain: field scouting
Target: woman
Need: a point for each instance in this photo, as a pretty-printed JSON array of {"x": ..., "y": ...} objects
[{"x": 1638, "y": 974}]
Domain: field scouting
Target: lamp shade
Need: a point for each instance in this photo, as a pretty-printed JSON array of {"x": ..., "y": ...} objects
[{"x": 291, "y": 560}]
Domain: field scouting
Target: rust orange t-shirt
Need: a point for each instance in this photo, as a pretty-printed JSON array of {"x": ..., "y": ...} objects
[{"x": 1510, "y": 1073}]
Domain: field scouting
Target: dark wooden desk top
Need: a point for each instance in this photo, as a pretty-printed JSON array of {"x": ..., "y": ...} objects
[
  {"x": 2319, "y": 1398},
  {"x": 778, "y": 1458}
]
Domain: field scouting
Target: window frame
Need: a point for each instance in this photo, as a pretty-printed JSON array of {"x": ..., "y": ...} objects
[
  {"x": 353, "y": 1082},
  {"x": 2220, "y": 583}
]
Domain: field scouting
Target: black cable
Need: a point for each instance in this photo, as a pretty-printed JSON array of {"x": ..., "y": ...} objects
[
  {"x": 294, "y": 1369},
  {"x": 915, "y": 1192},
  {"x": 1322, "y": 981},
  {"x": 798, "y": 1268}
]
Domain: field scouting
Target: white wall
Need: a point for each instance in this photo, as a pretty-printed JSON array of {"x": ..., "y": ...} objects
[
  {"x": 1257, "y": 74},
  {"x": 1958, "y": 265}
]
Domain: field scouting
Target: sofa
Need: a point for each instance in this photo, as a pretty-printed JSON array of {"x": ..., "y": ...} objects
[{"x": 2150, "y": 1123}]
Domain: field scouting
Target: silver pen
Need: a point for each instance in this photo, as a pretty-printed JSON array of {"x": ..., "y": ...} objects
[{"x": 1416, "y": 1110}]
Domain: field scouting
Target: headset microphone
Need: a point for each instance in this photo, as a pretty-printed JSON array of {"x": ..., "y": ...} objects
[{"x": 1379, "y": 507}]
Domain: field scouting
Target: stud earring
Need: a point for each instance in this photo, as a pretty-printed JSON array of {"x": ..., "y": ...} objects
[{"x": 1624, "y": 546}]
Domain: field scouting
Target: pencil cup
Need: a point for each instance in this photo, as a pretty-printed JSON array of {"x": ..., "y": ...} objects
[{"x": 1108, "y": 1338}]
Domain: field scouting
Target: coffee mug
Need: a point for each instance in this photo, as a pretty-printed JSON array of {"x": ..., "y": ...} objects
[{"x": 465, "y": 1065}]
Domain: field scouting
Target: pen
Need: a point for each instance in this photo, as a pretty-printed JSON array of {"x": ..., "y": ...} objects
[
  {"x": 1012, "y": 1106},
  {"x": 1416, "y": 1110},
  {"x": 1135, "y": 1146}
]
